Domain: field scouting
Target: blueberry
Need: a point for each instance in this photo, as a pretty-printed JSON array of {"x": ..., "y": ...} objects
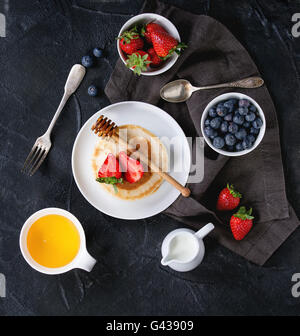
[
  {"x": 98, "y": 52},
  {"x": 246, "y": 124},
  {"x": 251, "y": 138},
  {"x": 233, "y": 101},
  {"x": 229, "y": 105},
  {"x": 230, "y": 139},
  {"x": 238, "y": 147},
  {"x": 214, "y": 134},
  {"x": 257, "y": 123},
  {"x": 243, "y": 110},
  {"x": 212, "y": 112},
  {"x": 241, "y": 134},
  {"x": 207, "y": 122},
  {"x": 92, "y": 90},
  {"x": 230, "y": 148},
  {"x": 224, "y": 126},
  {"x": 221, "y": 111},
  {"x": 254, "y": 130},
  {"x": 228, "y": 117},
  {"x": 233, "y": 128},
  {"x": 252, "y": 108},
  {"x": 250, "y": 116},
  {"x": 218, "y": 142},
  {"x": 215, "y": 123},
  {"x": 246, "y": 143},
  {"x": 87, "y": 61},
  {"x": 208, "y": 131},
  {"x": 238, "y": 119},
  {"x": 244, "y": 103}
]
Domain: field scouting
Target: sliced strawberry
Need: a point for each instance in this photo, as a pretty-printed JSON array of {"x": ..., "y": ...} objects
[
  {"x": 110, "y": 167},
  {"x": 133, "y": 168},
  {"x": 155, "y": 60},
  {"x": 139, "y": 61}
]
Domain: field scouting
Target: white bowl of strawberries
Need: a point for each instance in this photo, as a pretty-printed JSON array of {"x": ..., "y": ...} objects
[{"x": 149, "y": 44}]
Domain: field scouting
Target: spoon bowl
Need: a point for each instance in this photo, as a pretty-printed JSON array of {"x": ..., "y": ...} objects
[{"x": 177, "y": 91}]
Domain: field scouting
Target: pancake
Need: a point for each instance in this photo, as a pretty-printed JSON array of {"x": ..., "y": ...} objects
[{"x": 143, "y": 141}]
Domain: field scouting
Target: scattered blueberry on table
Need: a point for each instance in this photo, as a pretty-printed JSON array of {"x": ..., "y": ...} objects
[
  {"x": 92, "y": 90},
  {"x": 87, "y": 61},
  {"x": 233, "y": 125},
  {"x": 98, "y": 52}
]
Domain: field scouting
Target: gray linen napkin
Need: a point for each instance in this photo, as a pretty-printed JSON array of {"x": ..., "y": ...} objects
[{"x": 215, "y": 56}]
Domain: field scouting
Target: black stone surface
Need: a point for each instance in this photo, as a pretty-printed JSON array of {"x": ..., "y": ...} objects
[{"x": 44, "y": 39}]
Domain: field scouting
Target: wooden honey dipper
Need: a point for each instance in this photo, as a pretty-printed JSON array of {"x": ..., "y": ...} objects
[{"x": 104, "y": 127}]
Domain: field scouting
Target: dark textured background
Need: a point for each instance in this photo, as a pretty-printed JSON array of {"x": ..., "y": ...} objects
[{"x": 44, "y": 39}]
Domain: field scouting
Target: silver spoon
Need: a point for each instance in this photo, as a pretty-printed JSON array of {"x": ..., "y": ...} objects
[{"x": 180, "y": 90}]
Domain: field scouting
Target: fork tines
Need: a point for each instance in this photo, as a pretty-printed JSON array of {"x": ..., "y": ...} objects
[
  {"x": 34, "y": 159},
  {"x": 104, "y": 127}
]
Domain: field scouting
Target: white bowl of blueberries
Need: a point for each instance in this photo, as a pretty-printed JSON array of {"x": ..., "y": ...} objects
[{"x": 233, "y": 124}]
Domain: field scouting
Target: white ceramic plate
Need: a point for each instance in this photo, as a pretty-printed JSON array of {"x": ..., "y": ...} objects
[{"x": 156, "y": 121}]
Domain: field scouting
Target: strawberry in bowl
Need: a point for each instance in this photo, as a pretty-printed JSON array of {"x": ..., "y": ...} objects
[
  {"x": 138, "y": 61},
  {"x": 131, "y": 41},
  {"x": 151, "y": 34}
]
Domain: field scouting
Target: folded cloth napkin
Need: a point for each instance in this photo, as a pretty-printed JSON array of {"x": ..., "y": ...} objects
[{"x": 215, "y": 56}]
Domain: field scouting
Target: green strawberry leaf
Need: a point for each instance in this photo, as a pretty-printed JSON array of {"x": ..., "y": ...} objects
[
  {"x": 233, "y": 192},
  {"x": 129, "y": 35},
  {"x": 138, "y": 62},
  {"x": 243, "y": 213},
  {"x": 110, "y": 180}
]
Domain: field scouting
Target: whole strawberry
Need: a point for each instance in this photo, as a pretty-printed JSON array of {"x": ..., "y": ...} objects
[
  {"x": 130, "y": 41},
  {"x": 155, "y": 60},
  {"x": 150, "y": 28},
  {"x": 138, "y": 61},
  {"x": 164, "y": 44},
  {"x": 241, "y": 223},
  {"x": 228, "y": 199}
]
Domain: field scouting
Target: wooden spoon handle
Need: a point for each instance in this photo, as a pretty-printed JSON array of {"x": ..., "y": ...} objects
[{"x": 183, "y": 190}]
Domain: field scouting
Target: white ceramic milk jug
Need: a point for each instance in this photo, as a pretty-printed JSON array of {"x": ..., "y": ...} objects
[{"x": 183, "y": 249}]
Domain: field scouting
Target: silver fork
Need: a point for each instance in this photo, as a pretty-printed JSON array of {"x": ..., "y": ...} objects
[{"x": 42, "y": 144}]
